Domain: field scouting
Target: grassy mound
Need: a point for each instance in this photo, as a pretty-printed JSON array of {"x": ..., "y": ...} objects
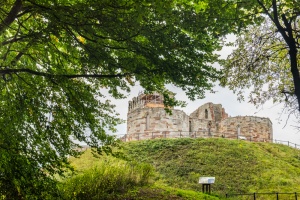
[
  {"x": 108, "y": 178},
  {"x": 170, "y": 169},
  {"x": 239, "y": 166}
]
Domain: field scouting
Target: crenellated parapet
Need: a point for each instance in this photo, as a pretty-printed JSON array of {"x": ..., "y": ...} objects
[{"x": 146, "y": 100}]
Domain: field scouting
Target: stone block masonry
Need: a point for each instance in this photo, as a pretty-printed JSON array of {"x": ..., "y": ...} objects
[{"x": 147, "y": 119}]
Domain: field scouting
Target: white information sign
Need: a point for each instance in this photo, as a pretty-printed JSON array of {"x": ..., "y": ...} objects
[{"x": 207, "y": 180}]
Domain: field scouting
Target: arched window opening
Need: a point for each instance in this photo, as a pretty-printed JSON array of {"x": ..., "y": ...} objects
[{"x": 206, "y": 114}]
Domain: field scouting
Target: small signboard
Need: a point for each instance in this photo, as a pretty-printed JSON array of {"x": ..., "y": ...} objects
[{"x": 207, "y": 180}]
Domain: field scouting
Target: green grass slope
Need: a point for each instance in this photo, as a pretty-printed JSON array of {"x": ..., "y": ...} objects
[
  {"x": 170, "y": 169},
  {"x": 239, "y": 166},
  {"x": 110, "y": 178}
]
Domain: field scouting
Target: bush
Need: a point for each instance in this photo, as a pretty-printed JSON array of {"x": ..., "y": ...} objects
[{"x": 107, "y": 179}]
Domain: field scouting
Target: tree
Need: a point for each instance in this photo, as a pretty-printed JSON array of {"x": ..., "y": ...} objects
[
  {"x": 58, "y": 58},
  {"x": 267, "y": 55}
]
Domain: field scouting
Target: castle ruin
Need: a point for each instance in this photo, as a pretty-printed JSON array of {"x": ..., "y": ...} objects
[{"x": 148, "y": 119}]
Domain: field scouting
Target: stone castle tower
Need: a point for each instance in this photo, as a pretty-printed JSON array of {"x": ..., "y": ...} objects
[{"x": 147, "y": 119}]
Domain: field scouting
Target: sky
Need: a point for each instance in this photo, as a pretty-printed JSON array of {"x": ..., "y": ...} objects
[{"x": 283, "y": 129}]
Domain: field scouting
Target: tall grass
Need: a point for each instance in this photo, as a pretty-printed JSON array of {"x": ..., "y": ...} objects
[{"x": 106, "y": 180}]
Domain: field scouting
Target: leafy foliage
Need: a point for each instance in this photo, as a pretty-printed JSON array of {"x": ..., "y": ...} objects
[
  {"x": 61, "y": 60},
  {"x": 22, "y": 180},
  {"x": 266, "y": 59}
]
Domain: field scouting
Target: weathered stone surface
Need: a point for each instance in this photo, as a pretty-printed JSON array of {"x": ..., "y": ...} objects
[
  {"x": 147, "y": 119},
  {"x": 156, "y": 119}
]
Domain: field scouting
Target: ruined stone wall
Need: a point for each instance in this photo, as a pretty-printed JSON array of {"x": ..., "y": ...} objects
[
  {"x": 203, "y": 127},
  {"x": 198, "y": 124},
  {"x": 210, "y": 111},
  {"x": 145, "y": 120},
  {"x": 254, "y": 128}
]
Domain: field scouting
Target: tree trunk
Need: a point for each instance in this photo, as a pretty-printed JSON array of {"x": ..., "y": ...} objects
[{"x": 295, "y": 72}]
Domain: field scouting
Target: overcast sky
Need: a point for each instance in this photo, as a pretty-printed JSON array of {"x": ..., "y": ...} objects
[{"x": 282, "y": 129}]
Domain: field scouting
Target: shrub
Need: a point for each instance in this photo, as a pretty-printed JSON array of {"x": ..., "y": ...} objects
[{"x": 106, "y": 179}]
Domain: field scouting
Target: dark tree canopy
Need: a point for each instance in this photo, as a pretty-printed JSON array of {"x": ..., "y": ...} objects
[{"x": 58, "y": 58}]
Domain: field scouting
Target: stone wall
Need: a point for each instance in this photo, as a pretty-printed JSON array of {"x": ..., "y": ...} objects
[
  {"x": 254, "y": 128},
  {"x": 210, "y": 111},
  {"x": 144, "y": 120},
  {"x": 147, "y": 119}
]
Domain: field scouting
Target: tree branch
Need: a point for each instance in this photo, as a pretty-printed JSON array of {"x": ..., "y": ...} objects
[
  {"x": 13, "y": 40},
  {"x": 287, "y": 92},
  {"x": 11, "y": 15},
  {"x": 49, "y": 75},
  {"x": 265, "y": 10},
  {"x": 288, "y": 26}
]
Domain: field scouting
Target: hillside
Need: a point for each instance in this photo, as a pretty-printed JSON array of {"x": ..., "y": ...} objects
[{"x": 239, "y": 166}]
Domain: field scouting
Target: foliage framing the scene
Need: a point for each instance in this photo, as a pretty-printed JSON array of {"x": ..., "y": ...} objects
[
  {"x": 267, "y": 55},
  {"x": 59, "y": 58}
]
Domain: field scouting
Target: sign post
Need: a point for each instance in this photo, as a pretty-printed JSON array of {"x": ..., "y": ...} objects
[{"x": 206, "y": 182}]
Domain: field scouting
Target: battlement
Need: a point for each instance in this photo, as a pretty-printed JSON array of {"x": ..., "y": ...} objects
[{"x": 153, "y": 100}]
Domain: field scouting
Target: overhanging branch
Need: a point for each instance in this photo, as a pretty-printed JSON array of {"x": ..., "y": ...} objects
[
  {"x": 70, "y": 76},
  {"x": 266, "y": 11},
  {"x": 11, "y": 15}
]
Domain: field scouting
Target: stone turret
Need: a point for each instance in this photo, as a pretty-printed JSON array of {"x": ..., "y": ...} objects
[
  {"x": 154, "y": 100},
  {"x": 146, "y": 114}
]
